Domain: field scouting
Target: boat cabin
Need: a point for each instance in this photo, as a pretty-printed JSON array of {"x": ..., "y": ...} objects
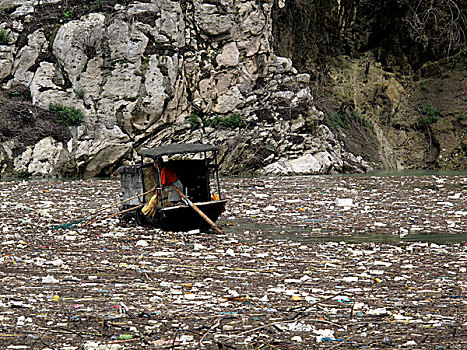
[{"x": 195, "y": 165}]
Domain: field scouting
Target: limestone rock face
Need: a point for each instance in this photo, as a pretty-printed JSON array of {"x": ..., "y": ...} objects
[
  {"x": 229, "y": 55},
  {"x": 43, "y": 159},
  {"x": 6, "y": 61},
  {"x": 142, "y": 73},
  {"x": 27, "y": 56}
]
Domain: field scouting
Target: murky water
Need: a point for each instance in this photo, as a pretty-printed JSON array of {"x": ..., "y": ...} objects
[
  {"x": 388, "y": 207},
  {"x": 299, "y": 234},
  {"x": 273, "y": 267},
  {"x": 385, "y": 207},
  {"x": 382, "y": 173}
]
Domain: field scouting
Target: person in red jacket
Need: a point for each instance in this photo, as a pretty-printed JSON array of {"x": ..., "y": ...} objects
[{"x": 168, "y": 177}]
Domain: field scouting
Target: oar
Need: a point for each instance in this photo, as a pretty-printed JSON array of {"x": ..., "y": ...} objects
[
  {"x": 114, "y": 214},
  {"x": 115, "y": 204},
  {"x": 191, "y": 204},
  {"x": 74, "y": 223}
]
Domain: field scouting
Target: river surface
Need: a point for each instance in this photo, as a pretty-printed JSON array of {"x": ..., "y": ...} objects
[
  {"x": 303, "y": 262},
  {"x": 428, "y": 206},
  {"x": 383, "y": 207}
]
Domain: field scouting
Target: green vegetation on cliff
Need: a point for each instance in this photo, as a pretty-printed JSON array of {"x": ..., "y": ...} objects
[
  {"x": 4, "y": 37},
  {"x": 70, "y": 116}
]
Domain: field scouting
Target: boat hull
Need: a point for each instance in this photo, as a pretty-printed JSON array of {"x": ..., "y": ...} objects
[{"x": 182, "y": 217}]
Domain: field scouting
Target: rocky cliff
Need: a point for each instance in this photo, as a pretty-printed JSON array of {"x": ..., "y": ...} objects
[
  {"x": 389, "y": 75},
  {"x": 132, "y": 74}
]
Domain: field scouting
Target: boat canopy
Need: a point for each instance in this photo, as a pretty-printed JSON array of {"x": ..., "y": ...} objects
[{"x": 176, "y": 148}]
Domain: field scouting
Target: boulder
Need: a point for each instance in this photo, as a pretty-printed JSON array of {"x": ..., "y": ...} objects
[
  {"x": 306, "y": 164},
  {"x": 229, "y": 55},
  {"x": 6, "y": 60},
  {"x": 210, "y": 21},
  {"x": 229, "y": 101},
  {"x": 27, "y": 57},
  {"x": 41, "y": 159}
]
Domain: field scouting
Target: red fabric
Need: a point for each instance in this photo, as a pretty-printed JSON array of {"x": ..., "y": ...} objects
[{"x": 168, "y": 176}]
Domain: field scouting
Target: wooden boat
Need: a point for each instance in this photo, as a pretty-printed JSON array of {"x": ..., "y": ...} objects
[{"x": 195, "y": 166}]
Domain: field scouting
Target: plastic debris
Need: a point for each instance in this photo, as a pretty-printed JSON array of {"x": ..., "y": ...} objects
[
  {"x": 344, "y": 202},
  {"x": 142, "y": 243},
  {"x": 49, "y": 279},
  {"x": 304, "y": 262},
  {"x": 125, "y": 337}
]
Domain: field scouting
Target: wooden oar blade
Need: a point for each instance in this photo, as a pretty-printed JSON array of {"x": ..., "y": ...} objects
[{"x": 195, "y": 208}]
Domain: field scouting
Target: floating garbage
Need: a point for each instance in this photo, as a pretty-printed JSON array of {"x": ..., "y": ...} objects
[
  {"x": 344, "y": 202},
  {"x": 304, "y": 262},
  {"x": 49, "y": 279},
  {"x": 142, "y": 243}
]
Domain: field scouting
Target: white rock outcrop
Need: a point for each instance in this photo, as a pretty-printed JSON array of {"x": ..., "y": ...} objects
[
  {"x": 137, "y": 72},
  {"x": 42, "y": 159}
]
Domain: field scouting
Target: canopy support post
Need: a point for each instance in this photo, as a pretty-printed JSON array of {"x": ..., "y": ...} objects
[
  {"x": 217, "y": 174},
  {"x": 160, "y": 198},
  {"x": 142, "y": 178}
]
